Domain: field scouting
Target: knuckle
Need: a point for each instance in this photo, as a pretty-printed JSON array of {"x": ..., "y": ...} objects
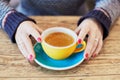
[{"x": 88, "y": 49}]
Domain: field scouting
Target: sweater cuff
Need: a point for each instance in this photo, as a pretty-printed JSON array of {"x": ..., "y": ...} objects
[
  {"x": 13, "y": 20},
  {"x": 101, "y": 18}
]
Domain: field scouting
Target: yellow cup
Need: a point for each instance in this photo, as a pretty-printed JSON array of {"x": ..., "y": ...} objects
[{"x": 59, "y": 53}]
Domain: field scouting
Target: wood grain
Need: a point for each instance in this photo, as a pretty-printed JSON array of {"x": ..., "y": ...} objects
[{"x": 106, "y": 66}]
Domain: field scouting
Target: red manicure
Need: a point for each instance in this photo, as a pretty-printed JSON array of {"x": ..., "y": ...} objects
[
  {"x": 79, "y": 41},
  {"x": 30, "y": 57},
  {"x": 86, "y": 56},
  {"x": 39, "y": 39},
  {"x": 94, "y": 55}
]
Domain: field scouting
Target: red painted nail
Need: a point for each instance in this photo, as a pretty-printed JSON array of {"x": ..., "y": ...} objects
[
  {"x": 86, "y": 56},
  {"x": 94, "y": 55},
  {"x": 79, "y": 41},
  {"x": 30, "y": 57},
  {"x": 39, "y": 39}
]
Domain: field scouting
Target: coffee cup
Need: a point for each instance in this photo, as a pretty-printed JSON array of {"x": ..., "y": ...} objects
[{"x": 59, "y": 43}]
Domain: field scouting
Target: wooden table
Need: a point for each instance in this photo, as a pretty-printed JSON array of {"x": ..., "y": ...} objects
[{"x": 106, "y": 66}]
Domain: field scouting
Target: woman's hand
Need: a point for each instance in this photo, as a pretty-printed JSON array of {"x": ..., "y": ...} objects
[
  {"x": 23, "y": 40},
  {"x": 94, "y": 31}
]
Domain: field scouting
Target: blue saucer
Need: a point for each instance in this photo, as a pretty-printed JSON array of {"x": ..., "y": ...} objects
[{"x": 45, "y": 61}]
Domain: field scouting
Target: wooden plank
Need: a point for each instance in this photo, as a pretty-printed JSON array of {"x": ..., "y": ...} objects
[
  {"x": 109, "y": 77},
  {"x": 105, "y": 66}
]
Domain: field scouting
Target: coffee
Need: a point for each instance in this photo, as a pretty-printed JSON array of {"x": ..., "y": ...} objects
[{"x": 59, "y": 39}]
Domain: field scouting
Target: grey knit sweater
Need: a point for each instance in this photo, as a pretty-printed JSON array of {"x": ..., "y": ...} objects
[{"x": 57, "y": 7}]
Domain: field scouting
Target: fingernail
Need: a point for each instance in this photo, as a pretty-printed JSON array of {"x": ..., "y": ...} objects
[
  {"x": 39, "y": 39},
  {"x": 79, "y": 41},
  {"x": 86, "y": 56},
  {"x": 30, "y": 57},
  {"x": 94, "y": 55}
]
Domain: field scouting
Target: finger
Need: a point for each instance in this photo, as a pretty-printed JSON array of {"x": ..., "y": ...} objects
[
  {"x": 96, "y": 41},
  {"x": 89, "y": 46},
  {"x": 22, "y": 47},
  {"x": 35, "y": 34},
  {"x": 38, "y": 29},
  {"x": 82, "y": 34},
  {"x": 77, "y": 30},
  {"x": 99, "y": 47},
  {"x": 29, "y": 47}
]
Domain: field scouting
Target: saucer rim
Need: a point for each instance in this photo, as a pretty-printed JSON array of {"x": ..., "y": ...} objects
[{"x": 55, "y": 68}]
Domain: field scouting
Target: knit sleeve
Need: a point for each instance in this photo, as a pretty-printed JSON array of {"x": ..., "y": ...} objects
[
  {"x": 13, "y": 19},
  {"x": 4, "y": 8},
  {"x": 112, "y": 7}
]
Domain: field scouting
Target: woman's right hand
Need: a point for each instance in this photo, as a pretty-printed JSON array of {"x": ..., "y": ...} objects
[{"x": 22, "y": 36}]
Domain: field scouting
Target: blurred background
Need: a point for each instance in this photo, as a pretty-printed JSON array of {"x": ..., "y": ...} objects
[{"x": 89, "y": 5}]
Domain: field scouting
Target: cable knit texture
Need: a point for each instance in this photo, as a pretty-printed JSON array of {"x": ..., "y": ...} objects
[
  {"x": 111, "y": 6},
  {"x": 100, "y": 17},
  {"x": 58, "y": 7},
  {"x": 12, "y": 22},
  {"x": 4, "y": 8},
  {"x": 50, "y": 7}
]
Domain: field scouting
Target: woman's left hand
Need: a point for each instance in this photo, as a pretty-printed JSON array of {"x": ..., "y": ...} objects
[{"x": 94, "y": 31}]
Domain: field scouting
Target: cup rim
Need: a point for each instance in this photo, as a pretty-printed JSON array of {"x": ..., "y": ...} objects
[{"x": 59, "y": 28}]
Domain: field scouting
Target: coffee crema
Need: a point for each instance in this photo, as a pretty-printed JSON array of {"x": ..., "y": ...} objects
[{"x": 59, "y": 39}]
